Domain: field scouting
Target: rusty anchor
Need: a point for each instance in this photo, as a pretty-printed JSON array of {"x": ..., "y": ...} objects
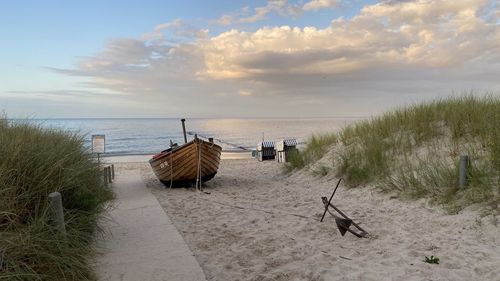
[{"x": 344, "y": 222}]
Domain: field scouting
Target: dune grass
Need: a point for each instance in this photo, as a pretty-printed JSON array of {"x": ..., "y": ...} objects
[
  {"x": 35, "y": 162},
  {"x": 315, "y": 148},
  {"x": 415, "y": 151}
]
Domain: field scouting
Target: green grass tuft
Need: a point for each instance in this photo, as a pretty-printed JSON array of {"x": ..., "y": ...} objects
[
  {"x": 34, "y": 163},
  {"x": 321, "y": 171},
  {"x": 431, "y": 260},
  {"x": 315, "y": 149}
]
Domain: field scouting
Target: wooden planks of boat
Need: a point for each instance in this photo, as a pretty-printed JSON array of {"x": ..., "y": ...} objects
[{"x": 180, "y": 166}]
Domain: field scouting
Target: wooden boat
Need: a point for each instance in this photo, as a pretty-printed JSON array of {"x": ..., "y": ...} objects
[{"x": 192, "y": 163}]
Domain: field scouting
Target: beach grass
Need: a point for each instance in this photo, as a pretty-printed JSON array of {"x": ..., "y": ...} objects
[
  {"x": 315, "y": 148},
  {"x": 415, "y": 151},
  {"x": 35, "y": 162}
]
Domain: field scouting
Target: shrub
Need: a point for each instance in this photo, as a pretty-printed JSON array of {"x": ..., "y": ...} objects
[{"x": 34, "y": 163}]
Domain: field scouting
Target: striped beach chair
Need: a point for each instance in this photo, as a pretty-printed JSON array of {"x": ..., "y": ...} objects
[
  {"x": 266, "y": 151},
  {"x": 284, "y": 148}
]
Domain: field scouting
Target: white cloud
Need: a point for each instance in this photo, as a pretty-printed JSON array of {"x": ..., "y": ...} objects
[
  {"x": 175, "y": 31},
  {"x": 259, "y": 13},
  {"x": 423, "y": 34},
  {"x": 281, "y": 7},
  {"x": 392, "y": 47},
  {"x": 245, "y": 93},
  {"x": 320, "y": 4}
]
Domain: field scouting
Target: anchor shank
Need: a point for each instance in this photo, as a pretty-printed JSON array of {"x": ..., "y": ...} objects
[
  {"x": 355, "y": 233},
  {"x": 331, "y": 197},
  {"x": 346, "y": 217}
]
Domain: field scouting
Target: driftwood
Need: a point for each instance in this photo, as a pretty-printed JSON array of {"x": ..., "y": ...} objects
[{"x": 343, "y": 223}]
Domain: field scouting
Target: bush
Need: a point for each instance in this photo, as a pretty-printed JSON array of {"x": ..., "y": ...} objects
[{"x": 34, "y": 163}]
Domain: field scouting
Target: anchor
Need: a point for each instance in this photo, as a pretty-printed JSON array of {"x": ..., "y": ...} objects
[{"x": 343, "y": 223}]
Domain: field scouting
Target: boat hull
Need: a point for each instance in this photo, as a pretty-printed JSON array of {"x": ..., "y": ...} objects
[{"x": 181, "y": 166}]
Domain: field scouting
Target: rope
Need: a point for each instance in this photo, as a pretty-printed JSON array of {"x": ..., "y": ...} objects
[
  {"x": 171, "y": 168},
  {"x": 198, "y": 176},
  {"x": 283, "y": 213},
  {"x": 232, "y": 144},
  {"x": 221, "y": 141}
]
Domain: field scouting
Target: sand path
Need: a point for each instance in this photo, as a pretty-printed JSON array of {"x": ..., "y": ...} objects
[{"x": 141, "y": 243}]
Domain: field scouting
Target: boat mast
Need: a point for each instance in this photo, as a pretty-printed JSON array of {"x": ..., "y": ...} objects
[{"x": 184, "y": 130}]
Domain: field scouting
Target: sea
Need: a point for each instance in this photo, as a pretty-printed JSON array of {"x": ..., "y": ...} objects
[{"x": 126, "y": 136}]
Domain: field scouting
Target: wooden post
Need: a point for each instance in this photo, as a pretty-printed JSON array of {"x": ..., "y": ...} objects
[
  {"x": 113, "y": 171},
  {"x": 106, "y": 170},
  {"x": 57, "y": 214},
  {"x": 110, "y": 176},
  {"x": 462, "y": 175},
  {"x": 105, "y": 176},
  {"x": 184, "y": 130},
  {"x": 1, "y": 255}
]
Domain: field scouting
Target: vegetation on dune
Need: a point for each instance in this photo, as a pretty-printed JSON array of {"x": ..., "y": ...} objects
[
  {"x": 34, "y": 163},
  {"x": 315, "y": 149},
  {"x": 416, "y": 150}
]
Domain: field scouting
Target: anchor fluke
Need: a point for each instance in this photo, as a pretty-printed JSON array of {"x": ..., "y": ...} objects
[{"x": 344, "y": 222}]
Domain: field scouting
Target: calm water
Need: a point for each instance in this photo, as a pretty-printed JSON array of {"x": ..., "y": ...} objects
[{"x": 147, "y": 136}]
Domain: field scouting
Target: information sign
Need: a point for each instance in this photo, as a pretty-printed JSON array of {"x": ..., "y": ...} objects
[{"x": 98, "y": 144}]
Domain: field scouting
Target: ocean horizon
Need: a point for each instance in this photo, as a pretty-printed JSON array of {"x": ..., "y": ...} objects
[{"x": 151, "y": 135}]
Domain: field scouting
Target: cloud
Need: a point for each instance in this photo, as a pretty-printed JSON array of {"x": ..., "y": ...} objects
[
  {"x": 245, "y": 93},
  {"x": 281, "y": 7},
  {"x": 421, "y": 34},
  {"x": 315, "y": 5},
  {"x": 175, "y": 31},
  {"x": 259, "y": 13},
  {"x": 61, "y": 93},
  {"x": 146, "y": 64},
  {"x": 415, "y": 47}
]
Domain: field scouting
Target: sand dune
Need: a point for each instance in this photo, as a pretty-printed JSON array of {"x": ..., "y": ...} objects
[{"x": 257, "y": 224}]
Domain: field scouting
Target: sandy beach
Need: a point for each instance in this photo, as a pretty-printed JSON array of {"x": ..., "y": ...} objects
[{"x": 255, "y": 223}]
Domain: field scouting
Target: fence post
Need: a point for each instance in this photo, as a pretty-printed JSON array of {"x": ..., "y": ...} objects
[
  {"x": 57, "y": 214},
  {"x": 462, "y": 175},
  {"x": 113, "y": 171},
  {"x": 110, "y": 178},
  {"x": 105, "y": 176},
  {"x": 2, "y": 253}
]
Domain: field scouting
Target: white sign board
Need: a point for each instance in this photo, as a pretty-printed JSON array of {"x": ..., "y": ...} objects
[{"x": 98, "y": 143}]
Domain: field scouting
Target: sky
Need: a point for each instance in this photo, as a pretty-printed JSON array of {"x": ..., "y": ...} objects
[{"x": 228, "y": 58}]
